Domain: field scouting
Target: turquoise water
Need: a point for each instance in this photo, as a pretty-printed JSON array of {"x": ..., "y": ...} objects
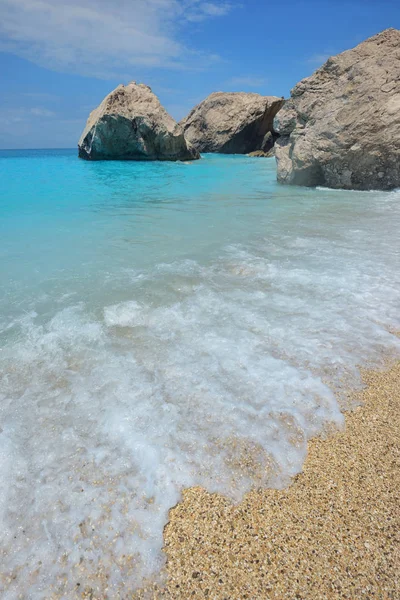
[{"x": 159, "y": 324}]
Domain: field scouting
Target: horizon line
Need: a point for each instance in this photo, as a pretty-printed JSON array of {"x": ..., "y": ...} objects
[{"x": 46, "y": 148}]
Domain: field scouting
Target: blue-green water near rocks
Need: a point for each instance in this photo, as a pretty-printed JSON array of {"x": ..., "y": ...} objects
[{"x": 165, "y": 325}]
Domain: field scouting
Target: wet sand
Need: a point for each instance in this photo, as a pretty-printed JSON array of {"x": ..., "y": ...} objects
[{"x": 334, "y": 533}]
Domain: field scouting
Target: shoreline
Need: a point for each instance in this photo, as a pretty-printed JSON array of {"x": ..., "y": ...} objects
[{"x": 330, "y": 534}]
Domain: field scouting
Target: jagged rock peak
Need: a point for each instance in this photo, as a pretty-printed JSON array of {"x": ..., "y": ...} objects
[
  {"x": 341, "y": 126},
  {"x": 131, "y": 124},
  {"x": 232, "y": 122}
]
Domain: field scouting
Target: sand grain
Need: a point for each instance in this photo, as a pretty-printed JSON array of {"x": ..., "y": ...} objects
[{"x": 334, "y": 533}]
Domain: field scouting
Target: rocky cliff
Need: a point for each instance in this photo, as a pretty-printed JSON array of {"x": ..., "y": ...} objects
[
  {"x": 341, "y": 126},
  {"x": 232, "y": 123},
  {"x": 131, "y": 124}
]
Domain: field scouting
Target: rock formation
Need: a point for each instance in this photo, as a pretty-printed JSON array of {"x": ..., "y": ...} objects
[
  {"x": 232, "y": 123},
  {"x": 261, "y": 154},
  {"x": 341, "y": 126},
  {"x": 131, "y": 124}
]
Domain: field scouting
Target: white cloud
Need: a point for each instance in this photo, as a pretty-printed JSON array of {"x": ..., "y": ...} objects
[
  {"x": 103, "y": 38},
  {"x": 42, "y": 112},
  {"x": 22, "y": 127},
  {"x": 198, "y": 11},
  {"x": 247, "y": 82},
  {"x": 40, "y": 96},
  {"x": 218, "y": 10},
  {"x": 318, "y": 59},
  {"x": 24, "y": 115}
]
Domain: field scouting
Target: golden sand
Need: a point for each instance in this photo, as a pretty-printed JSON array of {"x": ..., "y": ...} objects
[{"x": 334, "y": 533}]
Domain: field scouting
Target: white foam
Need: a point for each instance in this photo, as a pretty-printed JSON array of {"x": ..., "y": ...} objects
[
  {"x": 124, "y": 314},
  {"x": 106, "y": 415}
]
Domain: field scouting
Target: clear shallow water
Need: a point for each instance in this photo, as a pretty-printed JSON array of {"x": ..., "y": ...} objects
[{"x": 166, "y": 325}]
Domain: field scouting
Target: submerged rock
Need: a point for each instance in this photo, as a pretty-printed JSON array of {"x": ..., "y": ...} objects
[
  {"x": 341, "y": 126},
  {"x": 262, "y": 154},
  {"x": 232, "y": 123},
  {"x": 131, "y": 124}
]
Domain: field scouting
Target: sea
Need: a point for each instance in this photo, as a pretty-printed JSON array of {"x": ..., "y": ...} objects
[{"x": 166, "y": 325}]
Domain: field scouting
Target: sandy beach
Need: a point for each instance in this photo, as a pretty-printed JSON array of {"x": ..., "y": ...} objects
[
  {"x": 334, "y": 533},
  {"x": 199, "y": 300}
]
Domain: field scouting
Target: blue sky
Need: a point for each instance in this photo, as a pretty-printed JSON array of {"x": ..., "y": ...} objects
[{"x": 59, "y": 59}]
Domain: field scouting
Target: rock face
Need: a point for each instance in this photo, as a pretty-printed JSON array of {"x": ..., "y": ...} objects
[
  {"x": 261, "y": 154},
  {"x": 131, "y": 124},
  {"x": 341, "y": 126},
  {"x": 232, "y": 123}
]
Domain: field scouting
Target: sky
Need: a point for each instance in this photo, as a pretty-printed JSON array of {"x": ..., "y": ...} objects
[{"x": 58, "y": 59}]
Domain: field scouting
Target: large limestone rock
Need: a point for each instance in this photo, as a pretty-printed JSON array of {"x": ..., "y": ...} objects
[
  {"x": 341, "y": 126},
  {"x": 131, "y": 124},
  {"x": 232, "y": 123}
]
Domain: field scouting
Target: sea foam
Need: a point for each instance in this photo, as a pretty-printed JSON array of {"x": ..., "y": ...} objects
[{"x": 212, "y": 370}]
